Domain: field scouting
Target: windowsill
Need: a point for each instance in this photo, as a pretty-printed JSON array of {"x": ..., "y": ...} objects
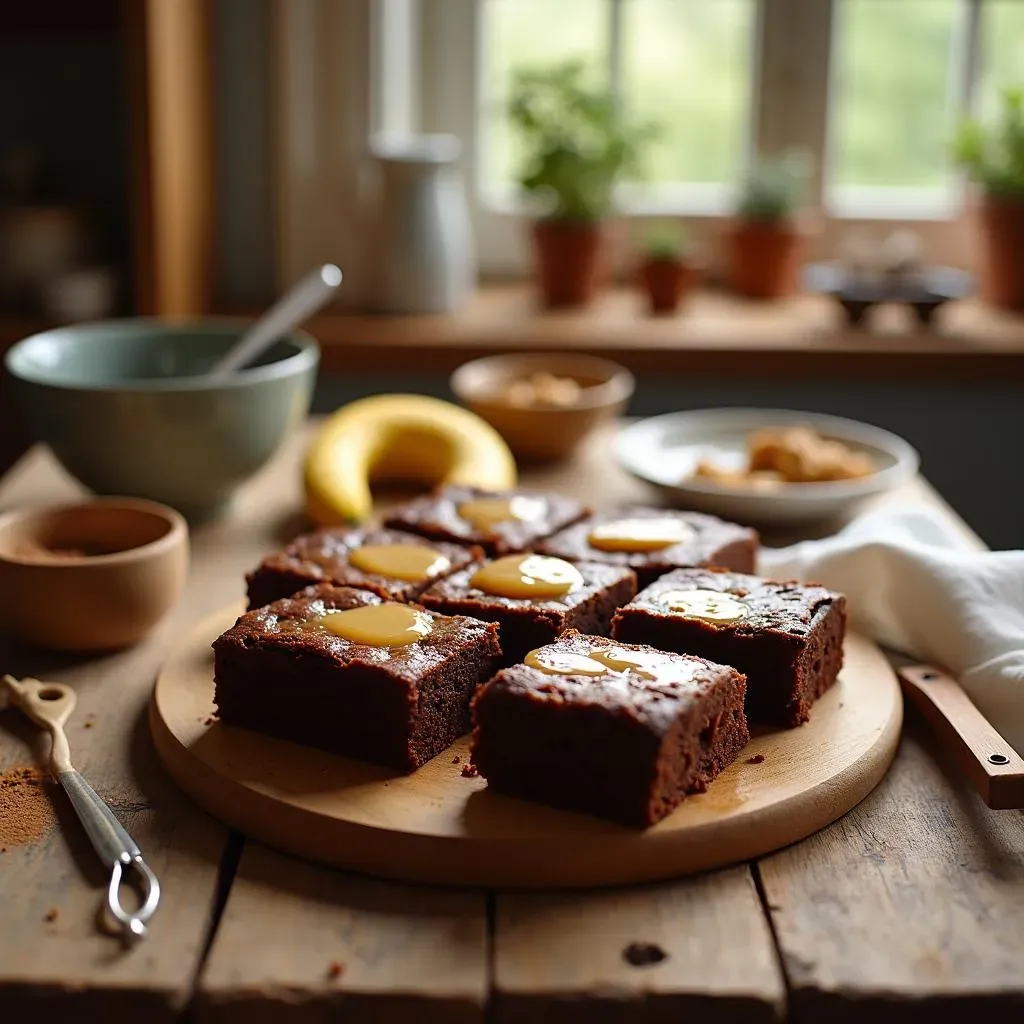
[{"x": 714, "y": 335}]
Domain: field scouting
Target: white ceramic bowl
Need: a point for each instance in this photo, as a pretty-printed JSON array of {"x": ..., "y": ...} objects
[{"x": 664, "y": 451}]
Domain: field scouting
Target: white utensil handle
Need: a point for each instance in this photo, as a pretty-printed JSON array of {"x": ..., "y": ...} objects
[{"x": 299, "y": 303}]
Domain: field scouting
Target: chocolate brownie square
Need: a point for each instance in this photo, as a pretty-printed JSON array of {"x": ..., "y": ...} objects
[
  {"x": 500, "y": 523},
  {"x": 395, "y": 565},
  {"x": 592, "y": 593},
  {"x": 653, "y": 541},
  {"x": 620, "y": 731},
  {"x": 346, "y": 671},
  {"x": 786, "y": 637}
]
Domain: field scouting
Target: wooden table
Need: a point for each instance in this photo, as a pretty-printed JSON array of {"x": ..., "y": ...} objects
[{"x": 913, "y": 902}]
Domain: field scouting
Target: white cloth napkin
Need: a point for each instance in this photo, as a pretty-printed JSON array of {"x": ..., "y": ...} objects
[{"x": 916, "y": 585}]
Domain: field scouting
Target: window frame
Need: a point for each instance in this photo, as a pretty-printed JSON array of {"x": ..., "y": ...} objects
[
  {"x": 346, "y": 69},
  {"x": 792, "y": 74}
]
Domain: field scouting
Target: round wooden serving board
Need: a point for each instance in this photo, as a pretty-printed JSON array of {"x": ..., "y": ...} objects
[{"x": 439, "y": 827}]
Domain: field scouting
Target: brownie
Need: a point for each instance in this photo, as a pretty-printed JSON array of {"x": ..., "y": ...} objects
[
  {"x": 279, "y": 671},
  {"x": 789, "y": 641},
  {"x": 526, "y": 623},
  {"x": 627, "y": 746},
  {"x": 323, "y": 557},
  {"x": 708, "y": 541},
  {"x": 438, "y": 516}
]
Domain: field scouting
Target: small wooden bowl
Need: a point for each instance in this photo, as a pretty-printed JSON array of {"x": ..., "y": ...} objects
[
  {"x": 543, "y": 433},
  {"x": 90, "y": 577}
]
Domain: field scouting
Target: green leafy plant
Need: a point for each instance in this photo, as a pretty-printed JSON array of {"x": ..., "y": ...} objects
[
  {"x": 578, "y": 140},
  {"x": 774, "y": 187},
  {"x": 666, "y": 241},
  {"x": 994, "y": 156}
]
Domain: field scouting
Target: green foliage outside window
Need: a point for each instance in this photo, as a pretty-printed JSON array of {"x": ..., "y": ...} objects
[
  {"x": 577, "y": 142},
  {"x": 994, "y": 155}
]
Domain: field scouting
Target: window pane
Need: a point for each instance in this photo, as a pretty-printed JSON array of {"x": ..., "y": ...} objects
[
  {"x": 688, "y": 65},
  {"x": 1002, "y": 53},
  {"x": 896, "y": 69},
  {"x": 529, "y": 33}
]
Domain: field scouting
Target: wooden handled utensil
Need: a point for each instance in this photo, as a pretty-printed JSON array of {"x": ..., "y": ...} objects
[
  {"x": 49, "y": 705},
  {"x": 992, "y": 765}
]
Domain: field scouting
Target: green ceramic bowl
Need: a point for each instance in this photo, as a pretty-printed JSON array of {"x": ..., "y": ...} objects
[{"x": 125, "y": 408}]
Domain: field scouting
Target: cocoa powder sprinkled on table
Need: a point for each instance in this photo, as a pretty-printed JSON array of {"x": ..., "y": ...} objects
[{"x": 26, "y": 806}]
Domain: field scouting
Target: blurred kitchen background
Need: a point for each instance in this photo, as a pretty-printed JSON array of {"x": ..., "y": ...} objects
[{"x": 837, "y": 235}]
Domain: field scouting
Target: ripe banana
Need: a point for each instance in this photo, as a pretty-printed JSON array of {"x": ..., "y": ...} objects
[{"x": 404, "y": 438}]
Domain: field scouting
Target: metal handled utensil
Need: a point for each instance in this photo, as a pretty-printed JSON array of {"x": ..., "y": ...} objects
[
  {"x": 50, "y": 705},
  {"x": 993, "y": 767},
  {"x": 298, "y": 303}
]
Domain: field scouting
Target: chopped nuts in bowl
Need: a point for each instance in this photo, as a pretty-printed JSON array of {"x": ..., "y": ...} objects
[
  {"x": 543, "y": 405},
  {"x": 543, "y": 389}
]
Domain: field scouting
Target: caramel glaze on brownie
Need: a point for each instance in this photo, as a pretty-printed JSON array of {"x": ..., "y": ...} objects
[
  {"x": 715, "y": 542},
  {"x": 397, "y": 706},
  {"x": 322, "y": 557},
  {"x": 619, "y": 746},
  {"x": 526, "y": 623},
  {"x": 437, "y": 516},
  {"x": 789, "y": 645}
]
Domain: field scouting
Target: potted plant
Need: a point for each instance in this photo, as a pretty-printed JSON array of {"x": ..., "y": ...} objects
[
  {"x": 994, "y": 157},
  {"x": 666, "y": 272},
  {"x": 578, "y": 144},
  {"x": 765, "y": 242}
]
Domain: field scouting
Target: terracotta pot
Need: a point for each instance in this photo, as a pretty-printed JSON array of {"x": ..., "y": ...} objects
[
  {"x": 764, "y": 258},
  {"x": 667, "y": 282},
  {"x": 571, "y": 260},
  {"x": 1002, "y": 251}
]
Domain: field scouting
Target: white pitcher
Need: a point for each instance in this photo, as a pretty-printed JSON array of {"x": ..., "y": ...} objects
[{"x": 422, "y": 239}]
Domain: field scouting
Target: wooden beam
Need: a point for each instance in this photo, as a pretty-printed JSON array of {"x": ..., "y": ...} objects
[{"x": 172, "y": 115}]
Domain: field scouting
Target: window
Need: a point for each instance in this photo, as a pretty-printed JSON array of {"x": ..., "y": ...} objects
[
  {"x": 1002, "y": 52},
  {"x": 895, "y": 96},
  {"x": 873, "y": 88},
  {"x": 690, "y": 59}
]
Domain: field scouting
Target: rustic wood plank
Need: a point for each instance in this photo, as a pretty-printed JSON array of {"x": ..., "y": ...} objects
[
  {"x": 65, "y": 964},
  {"x": 911, "y": 907},
  {"x": 566, "y": 957},
  {"x": 299, "y": 943},
  {"x": 53, "y": 960}
]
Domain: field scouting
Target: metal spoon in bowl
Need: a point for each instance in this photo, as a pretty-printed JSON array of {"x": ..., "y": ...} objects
[{"x": 300, "y": 302}]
